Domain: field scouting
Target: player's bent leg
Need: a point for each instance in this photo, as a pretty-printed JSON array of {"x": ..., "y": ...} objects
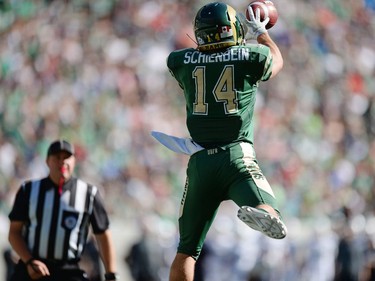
[
  {"x": 182, "y": 268},
  {"x": 263, "y": 221}
]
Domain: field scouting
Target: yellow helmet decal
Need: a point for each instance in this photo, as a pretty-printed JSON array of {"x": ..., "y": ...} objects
[{"x": 232, "y": 16}]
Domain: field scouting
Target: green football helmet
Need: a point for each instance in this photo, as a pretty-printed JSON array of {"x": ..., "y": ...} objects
[{"x": 217, "y": 26}]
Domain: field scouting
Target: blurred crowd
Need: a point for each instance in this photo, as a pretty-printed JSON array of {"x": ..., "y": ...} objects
[{"x": 94, "y": 72}]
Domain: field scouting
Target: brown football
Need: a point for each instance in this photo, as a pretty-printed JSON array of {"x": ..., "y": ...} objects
[{"x": 267, "y": 8}]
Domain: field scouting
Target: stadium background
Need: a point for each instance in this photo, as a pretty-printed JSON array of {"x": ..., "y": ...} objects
[{"x": 94, "y": 72}]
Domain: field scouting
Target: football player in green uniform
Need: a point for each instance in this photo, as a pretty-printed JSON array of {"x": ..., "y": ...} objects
[{"x": 220, "y": 80}]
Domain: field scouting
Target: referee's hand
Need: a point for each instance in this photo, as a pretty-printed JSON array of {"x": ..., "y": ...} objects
[{"x": 37, "y": 269}]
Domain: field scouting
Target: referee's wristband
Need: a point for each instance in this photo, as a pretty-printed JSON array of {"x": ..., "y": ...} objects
[
  {"x": 29, "y": 261},
  {"x": 111, "y": 276}
]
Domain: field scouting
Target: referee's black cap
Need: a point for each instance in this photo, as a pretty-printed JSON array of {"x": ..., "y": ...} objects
[{"x": 60, "y": 145}]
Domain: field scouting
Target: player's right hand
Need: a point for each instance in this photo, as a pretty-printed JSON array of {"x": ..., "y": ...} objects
[{"x": 255, "y": 26}]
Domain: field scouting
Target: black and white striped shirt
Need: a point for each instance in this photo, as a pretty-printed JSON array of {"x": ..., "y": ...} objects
[{"x": 56, "y": 227}]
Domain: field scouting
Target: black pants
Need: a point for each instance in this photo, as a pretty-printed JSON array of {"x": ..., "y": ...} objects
[{"x": 58, "y": 272}]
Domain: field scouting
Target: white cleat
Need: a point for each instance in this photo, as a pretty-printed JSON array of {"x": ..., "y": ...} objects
[{"x": 262, "y": 221}]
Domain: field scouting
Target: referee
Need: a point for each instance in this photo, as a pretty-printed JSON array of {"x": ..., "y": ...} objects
[{"x": 50, "y": 219}]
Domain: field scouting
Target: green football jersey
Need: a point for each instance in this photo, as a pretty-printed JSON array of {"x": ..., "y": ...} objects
[{"x": 220, "y": 91}]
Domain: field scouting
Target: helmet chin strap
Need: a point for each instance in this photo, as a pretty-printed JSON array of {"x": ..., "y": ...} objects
[{"x": 191, "y": 39}]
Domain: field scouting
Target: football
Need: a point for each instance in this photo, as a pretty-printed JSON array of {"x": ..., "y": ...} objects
[{"x": 267, "y": 8}]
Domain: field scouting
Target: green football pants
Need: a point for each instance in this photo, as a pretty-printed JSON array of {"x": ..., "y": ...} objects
[{"x": 213, "y": 176}]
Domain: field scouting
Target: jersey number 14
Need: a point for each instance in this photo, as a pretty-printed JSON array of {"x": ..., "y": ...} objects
[{"x": 223, "y": 91}]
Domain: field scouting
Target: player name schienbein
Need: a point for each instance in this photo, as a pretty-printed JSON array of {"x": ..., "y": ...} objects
[{"x": 232, "y": 54}]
